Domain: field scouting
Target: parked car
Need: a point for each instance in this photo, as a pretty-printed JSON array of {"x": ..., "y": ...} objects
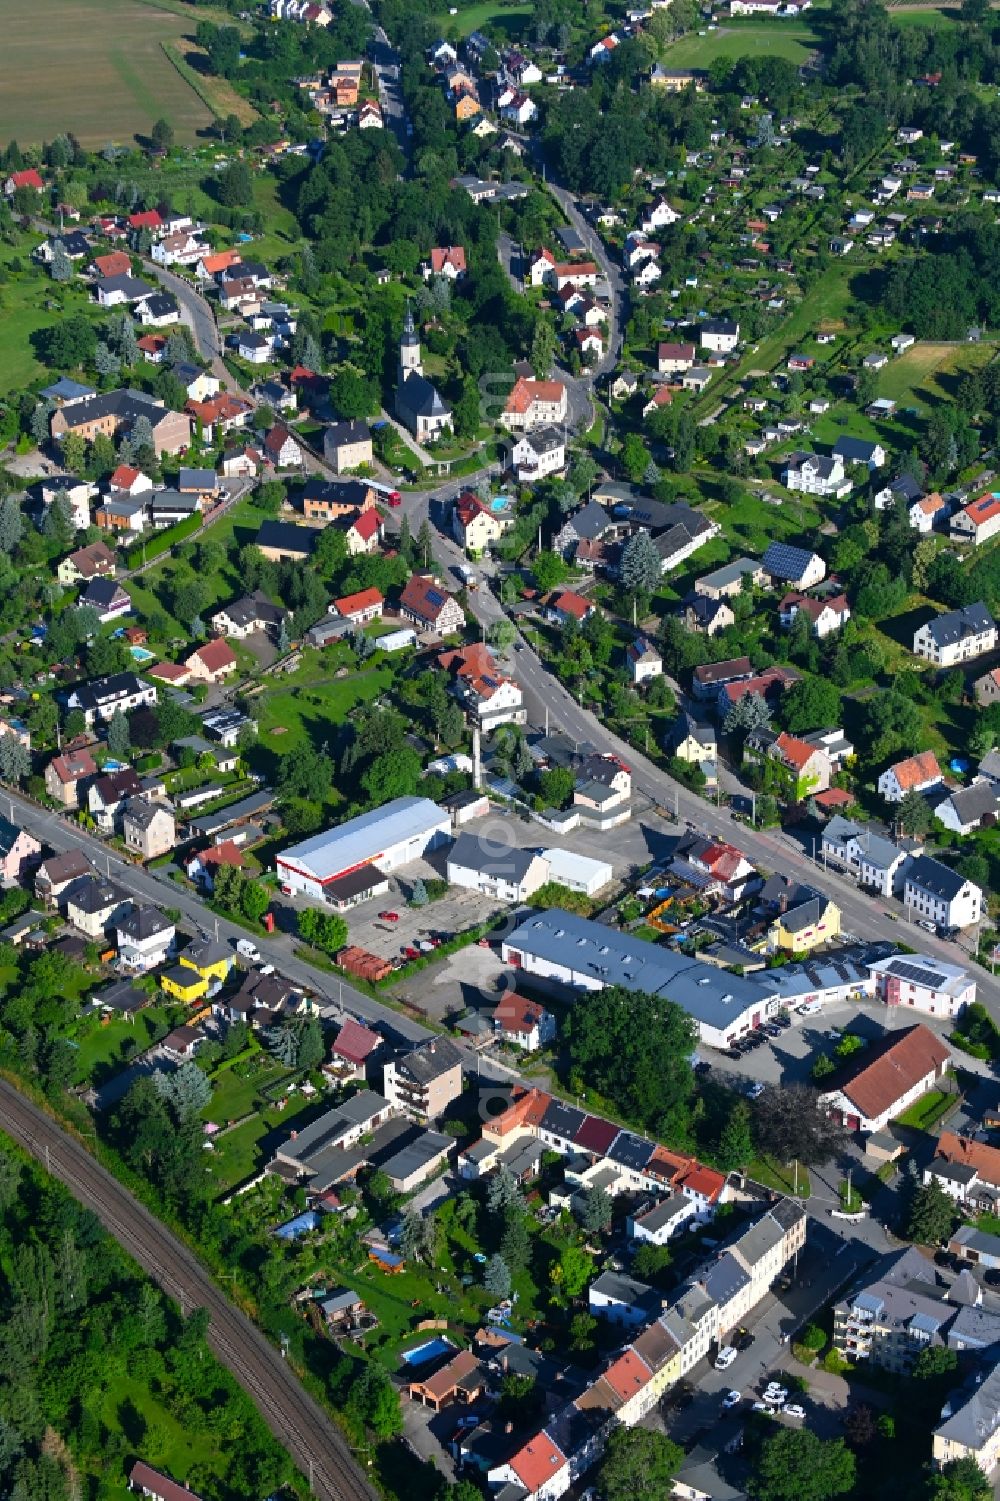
[
  {"x": 731, "y": 1399},
  {"x": 927, "y": 925},
  {"x": 725, "y": 1358},
  {"x": 743, "y": 1339},
  {"x": 389, "y": 916},
  {"x": 794, "y": 1410}
]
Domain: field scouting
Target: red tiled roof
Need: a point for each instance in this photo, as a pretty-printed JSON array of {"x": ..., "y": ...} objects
[
  {"x": 29, "y": 178},
  {"x": 984, "y": 509},
  {"x": 888, "y": 1069},
  {"x": 220, "y": 261},
  {"x": 355, "y": 1042},
  {"x": 74, "y": 765},
  {"x": 142, "y": 1476},
  {"x": 449, "y": 255},
  {"x": 367, "y": 524},
  {"x": 226, "y": 853},
  {"x": 916, "y": 770},
  {"x": 215, "y": 655},
  {"x": 123, "y": 477},
  {"x": 675, "y": 352},
  {"x": 537, "y": 1462},
  {"x": 834, "y": 797},
  {"x": 169, "y": 672},
  {"x": 570, "y": 603},
  {"x": 526, "y": 392},
  {"x": 424, "y": 597},
  {"x": 975, "y": 1154},
  {"x": 147, "y": 219},
  {"x": 704, "y": 1180},
  {"x": 352, "y": 604},
  {"x": 115, "y": 263},
  {"x": 628, "y": 1375},
  {"x": 795, "y": 752},
  {"x": 595, "y": 1135}
]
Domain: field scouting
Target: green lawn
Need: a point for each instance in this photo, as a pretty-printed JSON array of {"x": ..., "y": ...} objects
[
  {"x": 242, "y": 1152},
  {"x": 236, "y": 1090},
  {"x": 925, "y": 372},
  {"x": 927, "y": 1111},
  {"x": 510, "y": 18},
  {"x": 781, "y": 1176},
  {"x": 101, "y": 1044},
  {"x": 775, "y": 39},
  {"x": 310, "y": 706},
  {"x": 23, "y": 297},
  {"x": 130, "y": 1408}
]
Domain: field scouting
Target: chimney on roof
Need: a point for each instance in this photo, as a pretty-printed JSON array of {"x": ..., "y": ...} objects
[{"x": 508, "y": 1427}]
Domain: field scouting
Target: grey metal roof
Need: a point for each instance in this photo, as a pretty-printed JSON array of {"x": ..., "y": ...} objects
[
  {"x": 620, "y": 1288},
  {"x": 730, "y": 573},
  {"x": 363, "y": 838}
]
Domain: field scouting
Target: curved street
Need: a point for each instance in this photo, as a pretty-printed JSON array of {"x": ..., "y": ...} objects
[{"x": 297, "y": 1421}]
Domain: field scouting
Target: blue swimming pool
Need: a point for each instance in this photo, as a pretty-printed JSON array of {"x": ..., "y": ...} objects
[
  {"x": 421, "y": 1354},
  {"x": 141, "y": 655}
]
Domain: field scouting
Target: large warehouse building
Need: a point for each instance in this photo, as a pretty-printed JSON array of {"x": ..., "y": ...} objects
[{"x": 385, "y": 839}]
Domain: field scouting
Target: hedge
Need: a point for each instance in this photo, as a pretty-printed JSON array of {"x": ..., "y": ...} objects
[{"x": 163, "y": 541}]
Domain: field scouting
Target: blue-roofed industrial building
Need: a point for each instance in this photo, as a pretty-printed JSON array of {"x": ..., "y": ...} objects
[{"x": 575, "y": 953}]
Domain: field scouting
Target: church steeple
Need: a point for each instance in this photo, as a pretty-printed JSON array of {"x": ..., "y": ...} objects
[{"x": 409, "y": 348}]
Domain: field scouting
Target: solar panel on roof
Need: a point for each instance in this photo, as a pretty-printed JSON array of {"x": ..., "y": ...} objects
[{"x": 930, "y": 978}]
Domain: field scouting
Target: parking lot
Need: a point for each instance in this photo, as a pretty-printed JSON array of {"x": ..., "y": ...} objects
[
  {"x": 449, "y": 914},
  {"x": 789, "y": 1057}
]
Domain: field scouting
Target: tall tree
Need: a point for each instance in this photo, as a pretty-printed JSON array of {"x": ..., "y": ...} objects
[
  {"x": 639, "y": 1465},
  {"x": 795, "y": 1465},
  {"x": 787, "y": 1124}
]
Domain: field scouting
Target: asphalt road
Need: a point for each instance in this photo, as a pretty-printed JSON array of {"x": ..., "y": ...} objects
[
  {"x": 199, "y": 317},
  {"x": 296, "y": 1420}
]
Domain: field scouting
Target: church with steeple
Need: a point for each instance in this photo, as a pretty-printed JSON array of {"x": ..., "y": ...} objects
[{"x": 418, "y": 404}]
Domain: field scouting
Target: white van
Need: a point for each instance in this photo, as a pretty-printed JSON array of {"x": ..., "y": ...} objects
[{"x": 247, "y": 949}]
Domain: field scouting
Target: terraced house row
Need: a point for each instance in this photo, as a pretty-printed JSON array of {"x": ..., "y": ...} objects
[{"x": 715, "y": 1299}]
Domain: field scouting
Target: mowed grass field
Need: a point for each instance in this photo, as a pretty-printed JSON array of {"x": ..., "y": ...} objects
[
  {"x": 928, "y": 372},
  {"x": 795, "y": 43},
  {"x": 96, "y": 68}
]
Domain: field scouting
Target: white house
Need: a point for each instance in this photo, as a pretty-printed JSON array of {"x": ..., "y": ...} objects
[
  {"x": 537, "y": 454},
  {"x": 657, "y": 1224},
  {"x": 644, "y": 661},
  {"x": 816, "y": 474},
  {"x": 956, "y": 636},
  {"x": 940, "y": 895},
  {"x": 886, "y": 1078},
  {"x": 923, "y": 983},
  {"x": 721, "y": 335},
  {"x": 878, "y": 862},
  {"x": 144, "y": 938},
  {"x": 913, "y": 774},
  {"x": 496, "y": 869}
]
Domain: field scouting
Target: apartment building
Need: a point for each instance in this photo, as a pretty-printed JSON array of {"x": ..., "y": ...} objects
[{"x": 423, "y": 1083}]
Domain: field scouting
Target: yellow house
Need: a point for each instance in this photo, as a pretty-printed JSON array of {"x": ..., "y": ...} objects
[
  {"x": 467, "y": 107},
  {"x": 184, "y": 984},
  {"x": 474, "y": 524},
  {"x": 804, "y": 927},
  {"x": 662, "y": 1354},
  {"x": 209, "y": 958}
]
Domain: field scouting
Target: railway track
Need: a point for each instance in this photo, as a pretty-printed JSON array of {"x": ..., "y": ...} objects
[{"x": 294, "y": 1417}]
